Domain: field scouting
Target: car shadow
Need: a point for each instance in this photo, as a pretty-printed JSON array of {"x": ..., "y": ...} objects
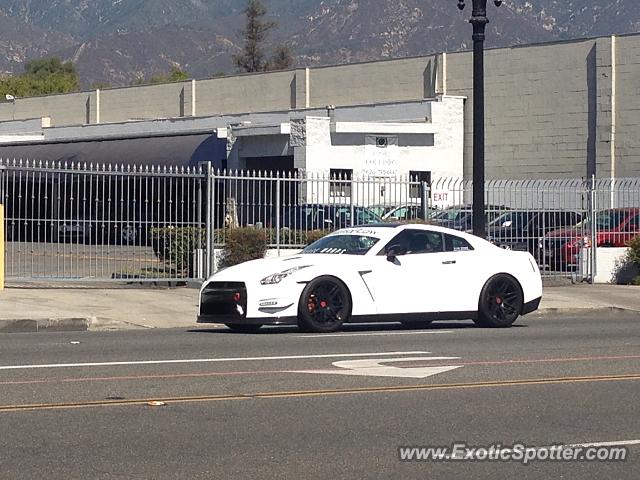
[{"x": 346, "y": 329}]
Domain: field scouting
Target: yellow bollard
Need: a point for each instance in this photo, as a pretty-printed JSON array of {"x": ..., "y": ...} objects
[{"x": 1, "y": 246}]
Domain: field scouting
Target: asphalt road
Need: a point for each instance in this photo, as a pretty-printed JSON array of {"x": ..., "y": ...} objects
[{"x": 286, "y": 405}]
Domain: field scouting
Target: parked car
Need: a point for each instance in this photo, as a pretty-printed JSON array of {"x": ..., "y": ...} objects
[
  {"x": 522, "y": 229},
  {"x": 381, "y": 210},
  {"x": 120, "y": 225},
  {"x": 313, "y": 216},
  {"x": 613, "y": 228},
  {"x": 460, "y": 217},
  {"x": 404, "y": 213},
  {"x": 406, "y": 273}
]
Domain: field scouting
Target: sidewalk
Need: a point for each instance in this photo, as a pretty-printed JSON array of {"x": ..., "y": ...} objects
[{"x": 118, "y": 308}]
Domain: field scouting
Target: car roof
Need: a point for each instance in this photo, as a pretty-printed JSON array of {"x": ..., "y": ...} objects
[{"x": 388, "y": 230}]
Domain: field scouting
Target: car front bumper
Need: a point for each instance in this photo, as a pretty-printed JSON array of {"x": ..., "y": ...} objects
[
  {"x": 531, "y": 306},
  {"x": 238, "y": 303}
]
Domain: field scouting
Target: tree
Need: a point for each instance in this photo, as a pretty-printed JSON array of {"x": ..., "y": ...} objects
[
  {"x": 43, "y": 76},
  {"x": 252, "y": 58},
  {"x": 175, "y": 75},
  {"x": 282, "y": 58}
]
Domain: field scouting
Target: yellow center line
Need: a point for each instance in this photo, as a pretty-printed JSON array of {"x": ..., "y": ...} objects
[{"x": 325, "y": 392}]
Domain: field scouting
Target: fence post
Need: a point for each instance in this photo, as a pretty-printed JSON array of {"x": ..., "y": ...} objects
[
  {"x": 1, "y": 246},
  {"x": 594, "y": 226},
  {"x": 278, "y": 215},
  {"x": 424, "y": 200},
  {"x": 351, "y": 204},
  {"x": 209, "y": 249},
  {"x": 2, "y": 235}
]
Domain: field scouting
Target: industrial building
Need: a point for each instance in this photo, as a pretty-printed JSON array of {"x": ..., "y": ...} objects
[{"x": 557, "y": 110}]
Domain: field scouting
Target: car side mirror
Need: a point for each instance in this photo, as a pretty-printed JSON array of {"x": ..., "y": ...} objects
[
  {"x": 394, "y": 251},
  {"x": 328, "y": 222}
]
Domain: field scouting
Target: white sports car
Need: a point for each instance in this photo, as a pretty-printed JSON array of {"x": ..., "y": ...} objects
[{"x": 388, "y": 273}]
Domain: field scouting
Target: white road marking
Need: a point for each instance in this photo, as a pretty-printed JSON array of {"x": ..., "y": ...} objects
[
  {"x": 373, "y": 368},
  {"x": 370, "y": 334},
  {"x": 606, "y": 444},
  {"x": 206, "y": 360},
  {"x": 617, "y": 443}
]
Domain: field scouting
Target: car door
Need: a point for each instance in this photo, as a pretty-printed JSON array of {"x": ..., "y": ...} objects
[
  {"x": 462, "y": 276},
  {"x": 410, "y": 282}
]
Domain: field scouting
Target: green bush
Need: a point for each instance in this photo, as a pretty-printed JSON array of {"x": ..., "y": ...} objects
[
  {"x": 634, "y": 251},
  {"x": 175, "y": 245},
  {"x": 633, "y": 257},
  {"x": 314, "y": 235},
  {"x": 242, "y": 245}
]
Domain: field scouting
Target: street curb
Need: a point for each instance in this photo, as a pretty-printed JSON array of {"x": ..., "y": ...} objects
[
  {"x": 65, "y": 324},
  {"x": 542, "y": 312},
  {"x": 83, "y": 324}
]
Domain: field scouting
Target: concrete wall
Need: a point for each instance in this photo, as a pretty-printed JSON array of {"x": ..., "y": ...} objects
[
  {"x": 394, "y": 80},
  {"x": 537, "y": 109},
  {"x": 627, "y": 144},
  {"x": 145, "y": 102},
  {"x": 70, "y": 109},
  {"x": 247, "y": 93}
]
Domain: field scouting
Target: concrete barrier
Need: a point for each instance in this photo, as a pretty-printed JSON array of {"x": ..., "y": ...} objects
[{"x": 609, "y": 261}]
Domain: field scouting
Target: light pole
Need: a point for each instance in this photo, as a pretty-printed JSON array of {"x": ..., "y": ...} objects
[{"x": 479, "y": 21}]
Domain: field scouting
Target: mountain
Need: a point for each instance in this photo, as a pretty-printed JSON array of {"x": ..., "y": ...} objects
[{"x": 119, "y": 41}]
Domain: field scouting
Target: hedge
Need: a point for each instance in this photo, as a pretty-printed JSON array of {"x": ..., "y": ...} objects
[{"x": 175, "y": 245}]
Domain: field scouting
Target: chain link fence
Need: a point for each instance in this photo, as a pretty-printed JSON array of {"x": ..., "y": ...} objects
[{"x": 84, "y": 222}]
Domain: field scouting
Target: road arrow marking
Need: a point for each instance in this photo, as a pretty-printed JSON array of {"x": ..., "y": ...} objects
[{"x": 373, "y": 368}]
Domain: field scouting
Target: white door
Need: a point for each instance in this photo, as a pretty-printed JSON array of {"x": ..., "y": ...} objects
[{"x": 413, "y": 281}]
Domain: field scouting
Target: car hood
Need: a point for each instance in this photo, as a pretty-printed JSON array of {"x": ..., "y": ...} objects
[
  {"x": 567, "y": 233},
  {"x": 258, "y": 269},
  {"x": 501, "y": 232}
]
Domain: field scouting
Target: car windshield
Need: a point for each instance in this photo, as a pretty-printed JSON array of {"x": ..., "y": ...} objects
[
  {"x": 451, "y": 214},
  {"x": 606, "y": 220},
  {"x": 511, "y": 219},
  {"x": 380, "y": 210},
  {"x": 342, "y": 244}
]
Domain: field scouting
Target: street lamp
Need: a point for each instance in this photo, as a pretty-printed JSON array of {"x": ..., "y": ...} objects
[{"x": 479, "y": 21}]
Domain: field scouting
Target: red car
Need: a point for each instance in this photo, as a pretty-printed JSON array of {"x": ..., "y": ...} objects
[{"x": 614, "y": 228}]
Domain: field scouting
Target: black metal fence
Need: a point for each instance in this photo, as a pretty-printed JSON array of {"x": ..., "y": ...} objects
[{"x": 118, "y": 222}]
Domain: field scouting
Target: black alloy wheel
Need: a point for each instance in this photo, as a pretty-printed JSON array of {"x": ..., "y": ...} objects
[
  {"x": 501, "y": 302},
  {"x": 325, "y": 304}
]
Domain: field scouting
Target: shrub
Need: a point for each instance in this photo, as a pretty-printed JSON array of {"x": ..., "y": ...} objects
[
  {"x": 314, "y": 235},
  {"x": 634, "y": 251},
  {"x": 633, "y": 257},
  {"x": 175, "y": 245},
  {"x": 242, "y": 245}
]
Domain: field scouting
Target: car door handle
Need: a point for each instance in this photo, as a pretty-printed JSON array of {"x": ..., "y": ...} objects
[{"x": 448, "y": 262}]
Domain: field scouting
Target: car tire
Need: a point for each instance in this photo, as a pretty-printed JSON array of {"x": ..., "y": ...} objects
[
  {"x": 416, "y": 324},
  {"x": 325, "y": 304},
  {"x": 501, "y": 301},
  {"x": 244, "y": 327}
]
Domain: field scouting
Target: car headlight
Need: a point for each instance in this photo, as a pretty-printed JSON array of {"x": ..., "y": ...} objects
[{"x": 278, "y": 277}]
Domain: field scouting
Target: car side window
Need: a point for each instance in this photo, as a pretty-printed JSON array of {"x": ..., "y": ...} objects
[
  {"x": 416, "y": 241},
  {"x": 634, "y": 224},
  {"x": 456, "y": 244}
]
